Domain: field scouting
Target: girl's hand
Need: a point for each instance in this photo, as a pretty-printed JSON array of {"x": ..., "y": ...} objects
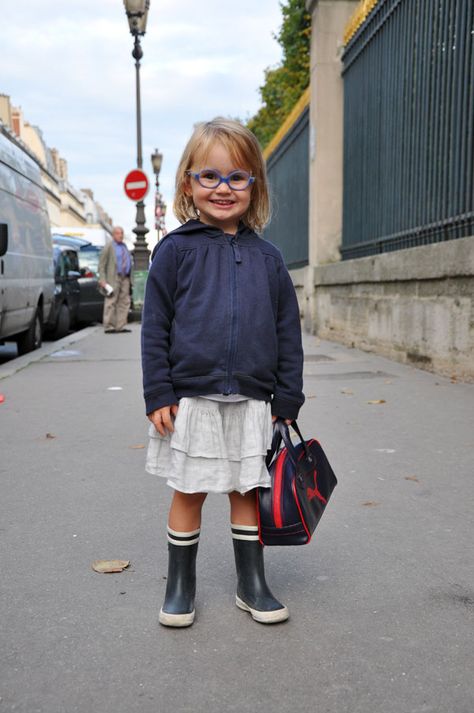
[
  {"x": 287, "y": 420},
  {"x": 163, "y": 418}
]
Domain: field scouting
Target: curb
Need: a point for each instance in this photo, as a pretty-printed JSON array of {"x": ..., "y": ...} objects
[{"x": 15, "y": 365}]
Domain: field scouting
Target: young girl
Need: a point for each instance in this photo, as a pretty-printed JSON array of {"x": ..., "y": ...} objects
[{"x": 222, "y": 359}]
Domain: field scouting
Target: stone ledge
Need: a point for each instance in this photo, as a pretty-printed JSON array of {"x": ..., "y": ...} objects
[{"x": 454, "y": 258}]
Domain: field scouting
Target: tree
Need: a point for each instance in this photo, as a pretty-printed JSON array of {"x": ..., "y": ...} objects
[{"x": 284, "y": 84}]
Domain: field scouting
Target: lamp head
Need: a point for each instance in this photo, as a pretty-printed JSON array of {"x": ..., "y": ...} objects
[
  {"x": 156, "y": 161},
  {"x": 137, "y": 14}
]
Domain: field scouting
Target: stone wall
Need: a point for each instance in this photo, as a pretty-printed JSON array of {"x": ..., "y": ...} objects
[{"x": 414, "y": 305}]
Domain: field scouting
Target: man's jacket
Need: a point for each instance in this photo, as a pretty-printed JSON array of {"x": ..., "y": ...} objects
[
  {"x": 108, "y": 264},
  {"x": 221, "y": 316}
]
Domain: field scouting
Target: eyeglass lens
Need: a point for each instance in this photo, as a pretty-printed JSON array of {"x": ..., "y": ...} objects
[{"x": 237, "y": 180}]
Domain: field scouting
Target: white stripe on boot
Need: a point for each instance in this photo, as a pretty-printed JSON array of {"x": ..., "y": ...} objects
[
  {"x": 183, "y": 539},
  {"x": 244, "y": 532}
]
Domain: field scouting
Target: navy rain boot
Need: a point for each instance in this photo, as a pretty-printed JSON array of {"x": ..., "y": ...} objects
[
  {"x": 253, "y": 593},
  {"x": 178, "y": 607}
]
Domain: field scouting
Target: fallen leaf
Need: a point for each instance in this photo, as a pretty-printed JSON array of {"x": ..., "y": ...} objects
[
  {"x": 349, "y": 392},
  {"x": 388, "y": 381},
  {"x": 137, "y": 446},
  {"x": 412, "y": 477},
  {"x": 377, "y": 401},
  {"x": 50, "y": 435},
  {"x": 311, "y": 397},
  {"x": 109, "y": 565},
  {"x": 370, "y": 504}
]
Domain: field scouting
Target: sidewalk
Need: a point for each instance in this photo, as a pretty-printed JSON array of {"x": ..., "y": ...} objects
[{"x": 381, "y": 601}]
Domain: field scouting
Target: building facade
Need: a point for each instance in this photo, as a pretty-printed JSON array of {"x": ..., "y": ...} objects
[{"x": 67, "y": 205}]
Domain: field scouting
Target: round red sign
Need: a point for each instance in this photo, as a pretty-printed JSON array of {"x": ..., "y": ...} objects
[{"x": 136, "y": 185}]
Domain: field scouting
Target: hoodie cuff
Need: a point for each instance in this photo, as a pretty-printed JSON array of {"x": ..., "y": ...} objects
[
  {"x": 285, "y": 409},
  {"x": 164, "y": 398}
]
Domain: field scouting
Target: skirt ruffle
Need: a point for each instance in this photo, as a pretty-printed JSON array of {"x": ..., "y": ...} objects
[{"x": 216, "y": 446}]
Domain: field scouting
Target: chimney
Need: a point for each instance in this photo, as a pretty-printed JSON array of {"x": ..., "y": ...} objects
[
  {"x": 17, "y": 121},
  {"x": 55, "y": 157},
  {"x": 5, "y": 110},
  {"x": 63, "y": 168}
]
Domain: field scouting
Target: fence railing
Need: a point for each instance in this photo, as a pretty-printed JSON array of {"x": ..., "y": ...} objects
[
  {"x": 409, "y": 126},
  {"x": 288, "y": 175}
]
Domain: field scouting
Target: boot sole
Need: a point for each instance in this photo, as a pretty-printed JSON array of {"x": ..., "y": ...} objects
[
  {"x": 176, "y": 620},
  {"x": 264, "y": 617}
]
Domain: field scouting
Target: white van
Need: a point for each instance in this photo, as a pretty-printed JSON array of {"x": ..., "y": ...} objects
[{"x": 26, "y": 252}]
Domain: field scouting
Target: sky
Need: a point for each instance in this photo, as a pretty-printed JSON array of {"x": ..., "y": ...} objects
[{"x": 69, "y": 67}]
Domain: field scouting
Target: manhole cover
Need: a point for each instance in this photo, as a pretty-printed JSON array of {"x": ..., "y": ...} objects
[
  {"x": 65, "y": 353},
  {"x": 318, "y": 357},
  {"x": 348, "y": 375}
]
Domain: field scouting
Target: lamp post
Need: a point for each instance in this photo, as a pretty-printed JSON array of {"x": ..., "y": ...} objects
[
  {"x": 160, "y": 205},
  {"x": 137, "y": 15}
]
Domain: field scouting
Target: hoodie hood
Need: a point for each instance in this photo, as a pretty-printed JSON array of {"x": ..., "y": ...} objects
[{"x": 195, "y": 226}]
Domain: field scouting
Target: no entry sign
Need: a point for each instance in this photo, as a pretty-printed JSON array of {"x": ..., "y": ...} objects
[{"x": 136, "y": 185}]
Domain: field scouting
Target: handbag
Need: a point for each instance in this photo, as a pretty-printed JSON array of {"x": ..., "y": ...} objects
[{"x": 302, "y": 481}]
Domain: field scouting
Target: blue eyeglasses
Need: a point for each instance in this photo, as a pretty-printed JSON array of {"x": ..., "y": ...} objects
[{"x": 236, "y": 180}]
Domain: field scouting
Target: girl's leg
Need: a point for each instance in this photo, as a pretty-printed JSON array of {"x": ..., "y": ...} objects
[
  {"x": 243, "y": 508},
  {"x": 183, "y": 537},
  {"x": 253, "y": 593},
  {"x": 185, "y": 511}
]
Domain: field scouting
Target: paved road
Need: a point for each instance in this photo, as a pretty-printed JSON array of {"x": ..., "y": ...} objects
[{"x": 381, "y": 601}]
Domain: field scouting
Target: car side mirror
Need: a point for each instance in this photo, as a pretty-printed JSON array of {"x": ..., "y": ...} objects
[{"x": 3, "y": 238}]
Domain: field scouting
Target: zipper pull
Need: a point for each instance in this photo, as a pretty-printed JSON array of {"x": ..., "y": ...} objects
[{"x": 236, "y": 250}]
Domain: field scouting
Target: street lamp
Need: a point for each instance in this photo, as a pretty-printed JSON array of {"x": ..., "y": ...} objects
[
  {"x": 160, "y": 206},
  {"x": 137, "y": 14}
]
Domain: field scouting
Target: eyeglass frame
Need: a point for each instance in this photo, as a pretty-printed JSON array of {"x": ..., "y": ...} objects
[{"x": 222, "y": 179}]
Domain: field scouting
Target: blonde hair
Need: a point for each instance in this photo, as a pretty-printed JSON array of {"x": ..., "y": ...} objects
[{"x": 244, "y": 149}]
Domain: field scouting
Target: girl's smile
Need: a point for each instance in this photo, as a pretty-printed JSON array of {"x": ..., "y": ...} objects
[{"x": 220, "y": 206}]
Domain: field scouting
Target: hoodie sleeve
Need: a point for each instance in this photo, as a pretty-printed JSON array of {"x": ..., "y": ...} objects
[
  {"x": 157, "y": 317},
  {"x": 288, "y": 396}
]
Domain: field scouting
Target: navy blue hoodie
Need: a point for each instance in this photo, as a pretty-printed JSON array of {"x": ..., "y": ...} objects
[{"x": 221, "y": 317}]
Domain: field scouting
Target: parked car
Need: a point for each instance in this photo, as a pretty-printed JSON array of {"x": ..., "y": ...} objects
[
  {"x": 67, "y": 292},
  {"x": 95, "y": 236},
  {"x": 91, "y": 306},
  {"x": 91, "y": 302},
  {"x": 26, "y": 253}
]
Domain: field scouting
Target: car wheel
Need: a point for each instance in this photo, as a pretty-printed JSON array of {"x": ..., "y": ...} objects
[
  {"x": 63, "y": 322},
  {"x": 33, "y": 337}
]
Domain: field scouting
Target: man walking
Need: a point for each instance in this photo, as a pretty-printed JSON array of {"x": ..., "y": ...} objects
[{"x": 115, "y": 266}]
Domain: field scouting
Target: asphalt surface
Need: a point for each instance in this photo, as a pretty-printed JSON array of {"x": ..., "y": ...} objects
[{"x": 381, "y": 601}]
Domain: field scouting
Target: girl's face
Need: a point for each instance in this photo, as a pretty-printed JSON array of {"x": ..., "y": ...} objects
[{"x": 221, "y": 206}]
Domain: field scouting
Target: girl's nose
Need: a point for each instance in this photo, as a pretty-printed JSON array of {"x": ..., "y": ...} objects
[{"x": 223, "y": 188}]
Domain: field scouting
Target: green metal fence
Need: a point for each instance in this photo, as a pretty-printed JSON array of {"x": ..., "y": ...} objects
[
  {"x": 408, "y": 126},
  {"x": 288, "y": 175}
]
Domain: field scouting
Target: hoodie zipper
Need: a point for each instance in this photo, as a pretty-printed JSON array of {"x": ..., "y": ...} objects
[{"x": 234, "y": 259}]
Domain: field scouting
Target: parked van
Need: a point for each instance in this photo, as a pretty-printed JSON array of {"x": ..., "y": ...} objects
[{"x": 26, "y": 252}]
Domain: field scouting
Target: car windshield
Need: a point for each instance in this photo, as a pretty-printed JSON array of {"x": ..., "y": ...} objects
[{"x": 89, "y": 258}]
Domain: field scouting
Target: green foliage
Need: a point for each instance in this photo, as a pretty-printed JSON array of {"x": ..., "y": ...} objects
[{"x": 284, "y": 85}]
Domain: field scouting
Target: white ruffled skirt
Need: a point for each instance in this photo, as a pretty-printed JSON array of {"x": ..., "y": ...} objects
[{"x": 216, "y": 447}]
